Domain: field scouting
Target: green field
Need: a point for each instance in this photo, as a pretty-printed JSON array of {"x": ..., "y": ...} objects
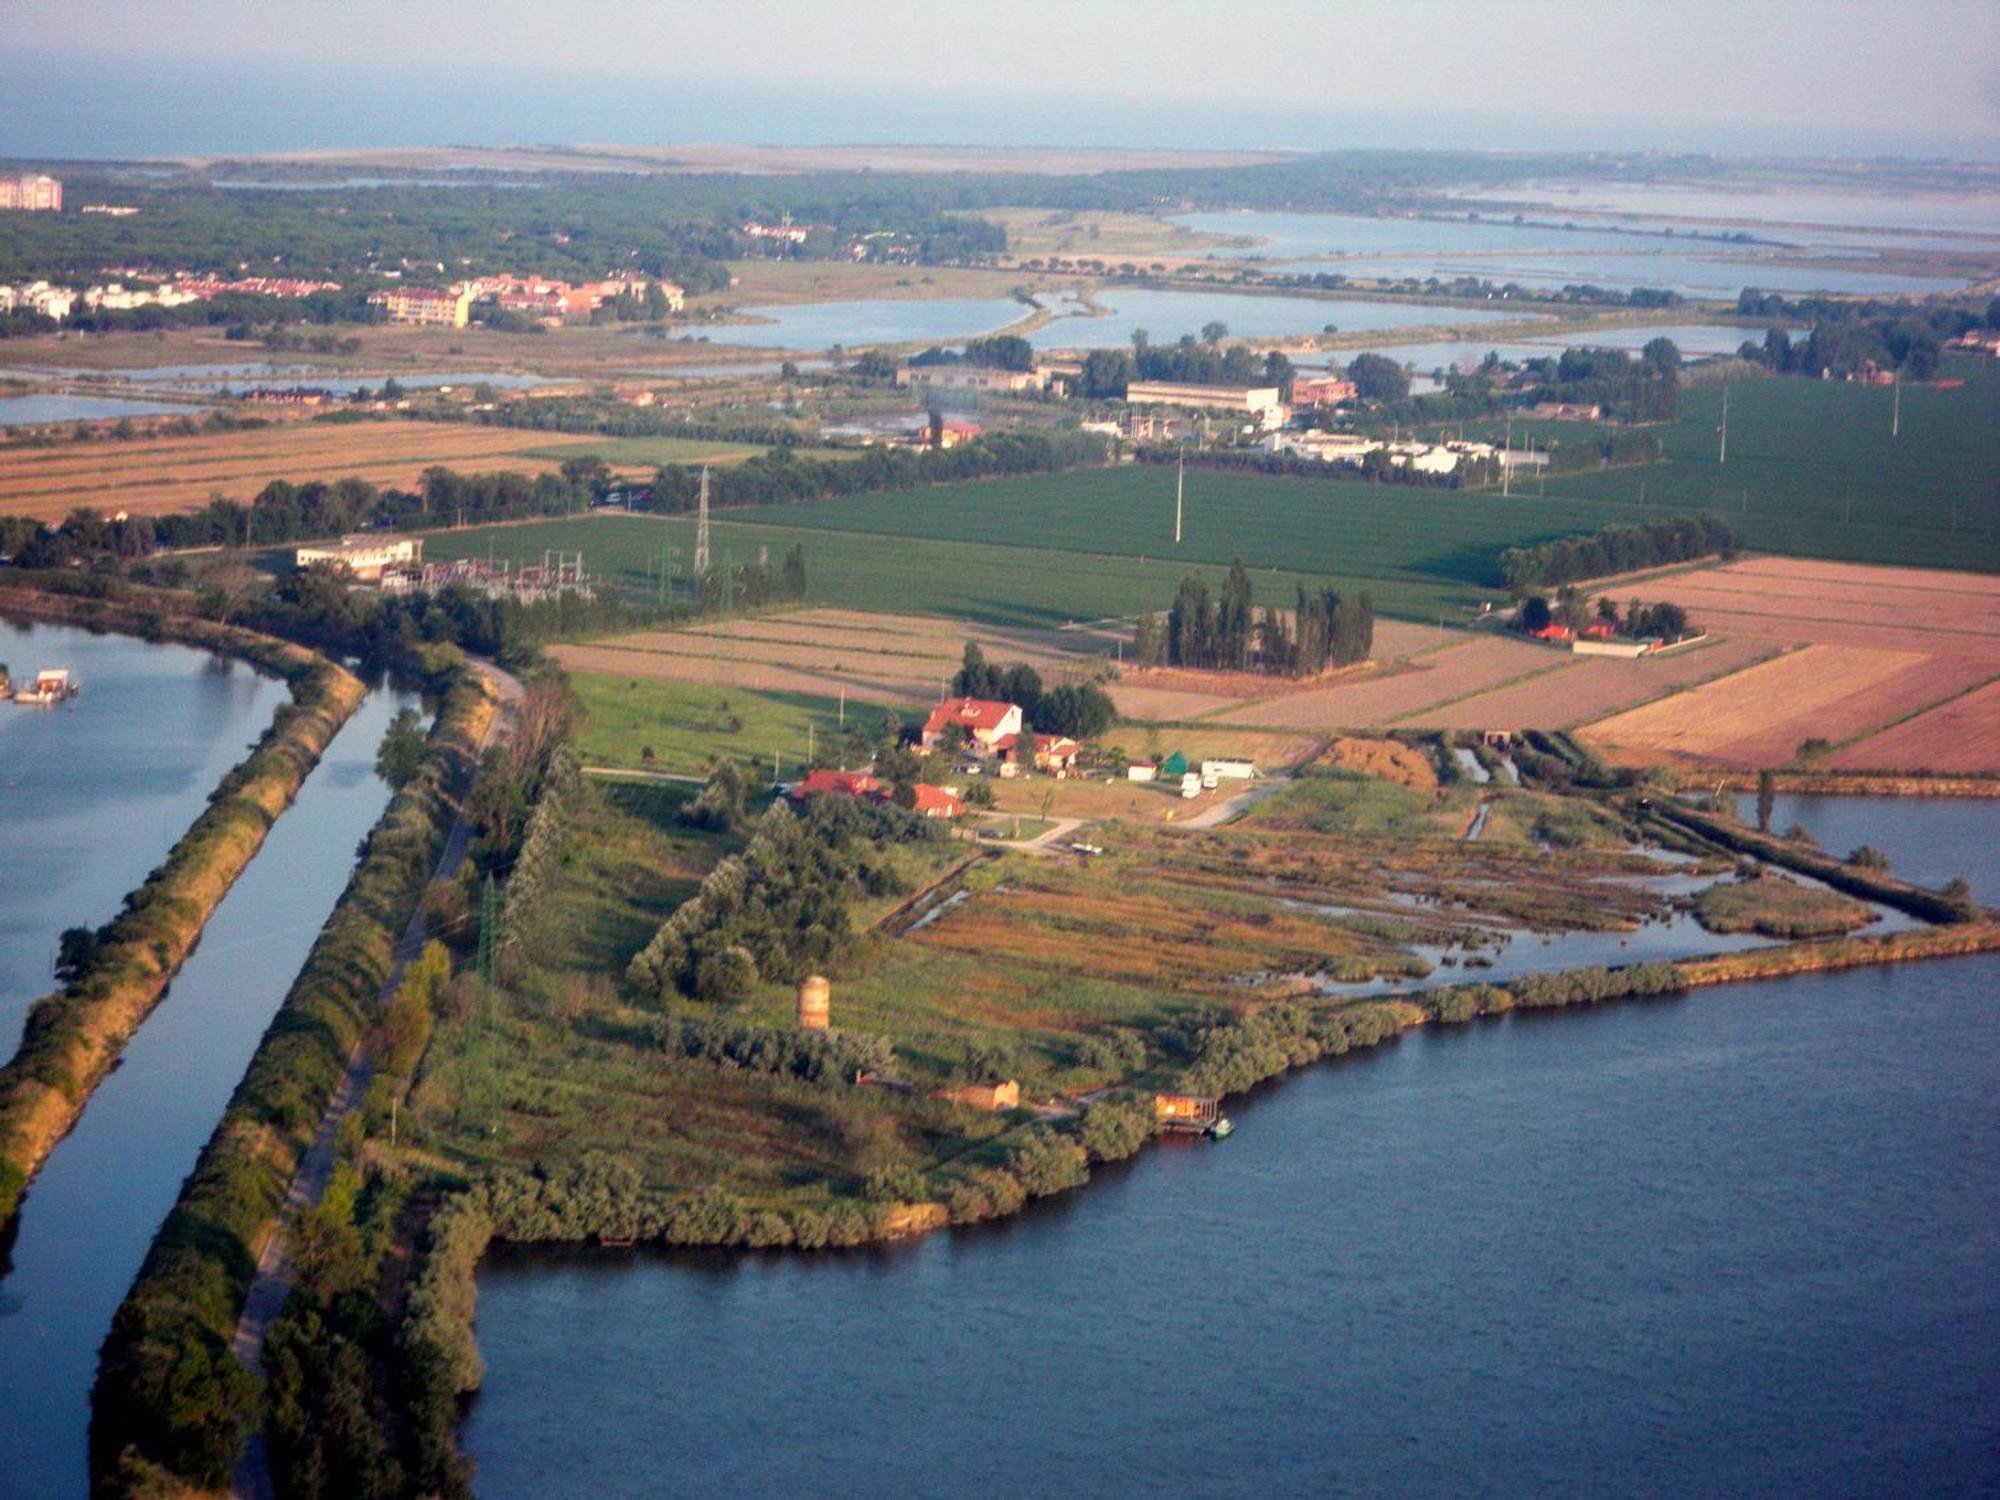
[
  {"x": 1002, "y": 585},
  {"x": 1813, "y": 470},
  {"x": 687, "y": 725}
]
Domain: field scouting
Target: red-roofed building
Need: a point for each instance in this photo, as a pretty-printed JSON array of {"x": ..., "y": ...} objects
[
  {"x": 1056, "y": 753},
  {"x": 932, "y": 801},
  {"x": 984, "y": 722},
  {"x": 1553, "y": 632},
  {"x": 836, "y": 784},
  {"x": 937, "y": 802}
]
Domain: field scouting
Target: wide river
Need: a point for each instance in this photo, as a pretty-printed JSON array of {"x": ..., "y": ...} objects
[
  {"x": 1742, "y": 1242},
  {"x": 122, "y": 772}
]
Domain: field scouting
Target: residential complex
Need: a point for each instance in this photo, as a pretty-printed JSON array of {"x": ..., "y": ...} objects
[{"x": 31, "y": 194}]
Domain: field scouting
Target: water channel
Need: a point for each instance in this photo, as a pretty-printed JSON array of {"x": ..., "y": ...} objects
[
  {"x": 1740, "y": 1242},
  {"x": 175, "y": 716}
]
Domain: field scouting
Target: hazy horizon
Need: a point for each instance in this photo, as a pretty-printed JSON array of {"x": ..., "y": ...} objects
[{"x": 214, "y": 77}]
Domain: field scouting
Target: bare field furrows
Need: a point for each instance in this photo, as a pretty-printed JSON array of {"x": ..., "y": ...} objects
[
  {"x": 1759, "y": 716},
  {"x": 1396, "y": 639},
  {"x": 1164, "y": 705},
  {"x": 1867, "y": 576},
  {"x": 938, "y": 640},
  {"x": 1917, "y": 687},
  {"x": 1797, "y": 601},
  {"x": 1593, "y": 688},
  {"x": 1960, "y": 736},
  {"x": 706, "y": 655},
  {"x": 651, "y": 666},
  {"x": 1382, "y": 699},
  {"x": 1090, "y": 639},
  {"x": 160, "y": 476}
]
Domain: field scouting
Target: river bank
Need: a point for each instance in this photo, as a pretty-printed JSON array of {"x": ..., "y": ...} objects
[
  {"x": 74, "y": 1037},
  {"x": 172, "y": 1403},
  {"x": 83, "y": 1230}
]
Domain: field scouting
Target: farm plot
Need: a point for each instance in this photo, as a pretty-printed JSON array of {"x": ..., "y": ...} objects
[
  {"x": 1169, "y": 695},
  {"x": 1760, "y": 716},
  {"x": 1431, "y": 681},
  {"x": 892, "y": 659},
  {"x": 1796, "y": 601},
  {"x": 1961, "y": 736},
  {"x": 1591, "y": 688},
  {"x": 162, "y": 476}
]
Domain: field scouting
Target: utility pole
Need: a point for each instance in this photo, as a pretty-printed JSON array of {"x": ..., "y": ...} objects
[
  {"x": 1180, "y": 492},
  {"x": 1896, "y": 409},
  {"x": 1722, "y": 454},
  {"x": 701, "y": 527}
]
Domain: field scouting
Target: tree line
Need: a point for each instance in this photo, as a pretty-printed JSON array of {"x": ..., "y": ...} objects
[
  {"x": 1081, "y": 710},
  {"x": 780, "y": 476},
  {"x": 1616, "y": 549},
  {"x": 1327, "y": 630}
]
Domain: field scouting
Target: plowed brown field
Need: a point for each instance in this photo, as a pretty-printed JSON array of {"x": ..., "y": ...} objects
[
  {"x": 895, "y": 659},
  {"x": 1430, "y": 680},
  {"x": 1960, "y": 736},
  {"x": 1801, "y": 602},
  {"x": 1590, "y": 688},
  {"x": 162, "y": 476},
  {"x": 1760, "y": 716}
]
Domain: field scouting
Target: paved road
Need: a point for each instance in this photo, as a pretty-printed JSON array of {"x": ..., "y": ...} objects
[{"x": 273, "y": 1282}]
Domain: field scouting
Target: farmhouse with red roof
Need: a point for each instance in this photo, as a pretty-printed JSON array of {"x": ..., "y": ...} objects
[{"x": 985, "y": 723}]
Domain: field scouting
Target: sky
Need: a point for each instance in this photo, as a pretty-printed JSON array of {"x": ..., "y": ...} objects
[{"x": 1842, "y": 76}]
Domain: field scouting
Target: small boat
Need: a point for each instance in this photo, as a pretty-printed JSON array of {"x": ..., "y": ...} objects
[
  {"x": 49, "y": 687},
  {"x": 1220, "y": 1128}
]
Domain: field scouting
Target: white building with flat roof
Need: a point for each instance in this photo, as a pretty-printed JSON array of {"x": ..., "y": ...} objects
[{"x": 365, "y": 557}]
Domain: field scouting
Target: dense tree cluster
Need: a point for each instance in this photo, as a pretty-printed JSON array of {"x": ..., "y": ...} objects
[
  {"x": 1616, "y": 549},
  {"x": 830, "y": 1057},
  {"x": 779, "y": 909},
  {"x": 1906, "y": 337},
  {"x": 1190, "y": 361},
  {"x": 1081, "y": 710},
  {"x": 1327, "y": 630}
]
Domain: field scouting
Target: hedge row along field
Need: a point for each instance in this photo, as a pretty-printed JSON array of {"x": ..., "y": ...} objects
[
  {"x": 73, "y": 1037},
  {"x": 173, "y": 1405}
]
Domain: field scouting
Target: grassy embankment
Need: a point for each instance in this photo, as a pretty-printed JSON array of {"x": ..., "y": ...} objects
[
  {"x": 172, "y": 1404},
  {"x": 74, "y": 1037}
]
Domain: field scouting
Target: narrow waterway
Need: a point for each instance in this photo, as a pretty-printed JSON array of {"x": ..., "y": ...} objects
[
  {"x": 94, "y": 792},
  {"x": 1741, "y": 1242},
  {"x": 87, "y": 1220}
]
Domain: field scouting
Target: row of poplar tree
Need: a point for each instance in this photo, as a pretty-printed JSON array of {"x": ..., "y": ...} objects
[{"x": 1327, "y": 629}]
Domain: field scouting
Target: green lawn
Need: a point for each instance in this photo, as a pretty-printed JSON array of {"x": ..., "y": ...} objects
[{"x": 687, "y": 725}]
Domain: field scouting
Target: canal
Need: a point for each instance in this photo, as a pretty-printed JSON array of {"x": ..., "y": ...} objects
[{"x": 88, "y": 1218}]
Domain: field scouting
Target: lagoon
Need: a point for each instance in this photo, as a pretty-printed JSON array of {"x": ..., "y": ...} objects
[
  {"x": 1736, "y": 1243},
  {"x": 29, "y": 411},
  {"x": 1168, "y": 316}
]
